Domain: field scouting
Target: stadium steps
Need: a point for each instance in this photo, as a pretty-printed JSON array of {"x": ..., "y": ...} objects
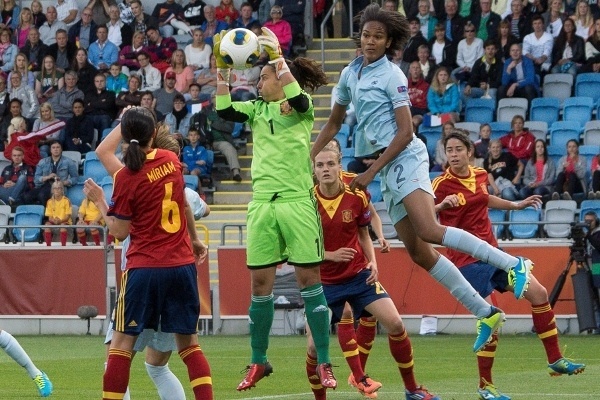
[{"x": 232, "y": 197}]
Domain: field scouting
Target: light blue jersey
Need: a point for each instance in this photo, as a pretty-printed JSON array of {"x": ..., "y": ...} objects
[{"x": 375, "y": 90}]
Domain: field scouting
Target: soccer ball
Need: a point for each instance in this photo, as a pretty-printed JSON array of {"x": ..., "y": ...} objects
[{"x": 240, "y": 48}]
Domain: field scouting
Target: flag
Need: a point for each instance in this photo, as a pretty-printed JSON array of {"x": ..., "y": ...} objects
[{"x": 435, "y": 120}]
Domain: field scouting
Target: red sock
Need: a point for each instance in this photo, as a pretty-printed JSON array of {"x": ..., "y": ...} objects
[
  {"x": 109, "y": 239},
  {"x": 63, "y": 238},
  {"x": 545, "y": 327},
  {"x": 198, "y": 372},
  {"x": 315, "y": 383},
  {"x": 81, "y": 237},
  {"x": 96, "y": 238},
  {"x": 485, "y": 361},
  {"x": 48, "y": 237},
  {"x": 116, "y": 376},
  {"x": 402, "y": 352},
  {"x": 365, "y": 336},
  {"x": 347, "y": 339}
]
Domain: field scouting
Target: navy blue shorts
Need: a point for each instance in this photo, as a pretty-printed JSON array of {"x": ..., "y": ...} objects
[
  {"x": 150, "y": 295},
  {"x": 485, "y": 278},
  {"x": 354, "y": 291}
]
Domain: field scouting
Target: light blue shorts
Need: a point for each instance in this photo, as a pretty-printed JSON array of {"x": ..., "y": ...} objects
[
  {"x": 157, "y": 340},
  {"x": 408, "y": 172}
]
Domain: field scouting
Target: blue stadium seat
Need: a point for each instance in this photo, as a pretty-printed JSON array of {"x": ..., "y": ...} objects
[
  {"x": 497, "y": 216},
  {"x": 28, "y": 215},
  {"x": 589, "y": 205},
  {"x": 389, "y": 232},
  {"x": 472, "y": 127},
  {"x": 107, "y": 187},
  {"x": 91, "y": 155},
  {"x": 434, "y": 174},
  {"x": 578, "y": 109},
  {"x": 4, "y": 217},
  {"x": 545, "y": 109},
  {"x": 588, "y": 85},
  {"x": 75, "y": 194},
  {"x": 480, "y": 110},
  {"x": 563, "y": 131},
  {"x": 499, "y": 129},
  {"x": 539, "y": 129},
  {"x": 343, "y": 135},
  {"x": 524, "y": 231},
  {"x": 589, "y": 152},
  {"x": 556, "y": 152},
  {"x": 94, "y": 169},
  {"x": 375, "y": 189},
  {"x": 191, "y": 181},
  {"x": 345, "y": 161},
  {"x": 432, "y": 134}
]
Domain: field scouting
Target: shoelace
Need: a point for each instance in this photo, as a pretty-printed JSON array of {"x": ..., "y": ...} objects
[
  {"x": 329, "y": 372},
  {"x": 39, "y": 381}
]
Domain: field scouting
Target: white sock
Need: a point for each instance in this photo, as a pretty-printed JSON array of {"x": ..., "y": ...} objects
[
  {"x": 448, "y": 275},
  {"x": 12, "y": 347},
  {"x": 169, "y": 387},
  {"x": 460, "y": 240}
]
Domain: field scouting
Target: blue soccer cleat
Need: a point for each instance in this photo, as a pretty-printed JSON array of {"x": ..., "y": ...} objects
[
  {"x": 564, "y": 366},
  {"x": 487, "y": 326},
  {"x": 421, "y": 394},
  {"x": 43, "y": 384},
  {"x": 519, "y": 277},
  {"x": 490, "y": 392}
]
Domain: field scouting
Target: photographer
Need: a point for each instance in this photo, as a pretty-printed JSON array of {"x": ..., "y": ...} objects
[{"x": 593, "y": 239}]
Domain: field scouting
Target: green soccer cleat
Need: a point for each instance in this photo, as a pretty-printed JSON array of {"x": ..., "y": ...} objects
[
  {"x": 43, "y": 384},
  {"x": 564, "y": 366},
  {"x": 487, "y": 326},
  {"x": 519, "y": 277},
  {"x": 490, "y": 392}
]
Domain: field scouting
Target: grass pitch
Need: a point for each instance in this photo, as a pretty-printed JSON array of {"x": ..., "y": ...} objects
[{"x": 444, "y": 364}]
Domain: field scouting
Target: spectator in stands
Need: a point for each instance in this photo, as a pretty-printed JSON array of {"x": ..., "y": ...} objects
[
  {"x": 245, "y": 20},
  {"x": 427, "y": 20},
  {"x": 211, "y": 25},
  {"x": 197, "y": 53},
  {"x": 126, "y": 13},
  {"x": 537, "y": 46},
  {"x": 117, "y": 81},
  {"x": 504, "y": 41},
  {"x": 207, "y": 78},
  {"x": 504, "y": 172},
  {"x": 67, "y": 12},
  {"x": 443, "y": 50},
  {"x": 416, "y": 39},
  {"x": 486, "y": 21},
  {"x": 149, "y": 102},
  {"x": 426, "y": 63},
  {"x": 195, "y": 159},
  {"x": 16, "y": 179},
  {"x": 169, "y": 16},
  {"x": 417, "y": 93},
  {"x": 319, "y": 10},
  {"x": 102, "y": 53},
  {"x": 4, "y": 109},
  {"x": 554, "y": 18},
  {"x": 63, "y": 51},
  {"x": 30, "y": 106},
  {"x": 131, "y": 97},
  {"x": 128, "y": 54},
  {"x": 119, "y": 32},
  {"x": 440, "y": 161},
  {"x": 397, "y": 59},
  {"x": 10, "y": 13},
  {"x": 264, "y": 10},
  {"x": 58, "y": 211},
  {"x": 100, "y": 104},
  {"x": 518, "y": 20},
  {"x": 49, "y": 81},
  {"x": 8, "y": 51},
  {"x": 470, "y": 49},
  {"x": 535, "y": 7},
  {"x": 482, "y": 145},
  {"x": 227, "y": 12},
  {"x": 179, "y": 119},
  {"x": 570, "y": 178},
  {"x": 49, "y": 28},
  {"x": 184, "y": 74},
  {"x": 83, "y": 33},
  {"x": 194, "y": 13},
  {"x": 595, "y": 193},
  {"x": 519, "y": 142},
  {"x": 37, "y": 13},
  {"x": 22, "y": 65},
  {"x": 79, "y": 132},
  {"x": 100, "y": 11},
  {"x": 443, "y": 96},
  {"x": 21, "y": 32},
  {"x": 34, "y": 49},
  {"x": 85, "y": 71},
  {"x": 18, "y": 135},
  {"x": 161, "y": 47},
  {"x": 453, "y": 22},
  {"x": 195, "y": 97},
  {"x": 47, "y": 118},
  {"x": 166, "y": 95},
  {"x": 49, "y": 170},
  {"x": 63, "y": 99},
  {"x": 486, "y": 75},
  {"x": 518, "y": 76},
  {"x": 584, "y": 20},
  {"x": 592, "y": 51},
  {"x": 150, "y": 76},
  {"x": 243, "y": 83},
  {"x": 568, "y": 53},
  {"x": 14, "y": 111},
  {"x": 281, "y": 28},
  {"x": 293, "y": 13},
  {"x": 141, "y": 21},
  {"x": 540, "y": 172},
  {"x": 88, "y": 214}
]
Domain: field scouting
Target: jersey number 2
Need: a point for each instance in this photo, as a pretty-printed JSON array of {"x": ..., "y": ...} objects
[{"x": 170, "y": 219}]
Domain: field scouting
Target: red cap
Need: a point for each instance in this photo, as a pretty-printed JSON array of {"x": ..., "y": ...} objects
[{"x": 170, "y": 75}]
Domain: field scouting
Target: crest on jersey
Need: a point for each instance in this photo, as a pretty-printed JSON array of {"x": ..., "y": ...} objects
[
  {"x": 285, "y": 108},
  {"x": 347, "y": 216}
]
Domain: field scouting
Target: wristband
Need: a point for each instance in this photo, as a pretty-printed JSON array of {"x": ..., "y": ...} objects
[
  {"x": 281, "y": 66},
  {"x": 223, "y": 76}
]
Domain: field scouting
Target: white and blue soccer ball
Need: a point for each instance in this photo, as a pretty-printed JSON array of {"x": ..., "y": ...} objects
[{"x": 240, "y": 48}]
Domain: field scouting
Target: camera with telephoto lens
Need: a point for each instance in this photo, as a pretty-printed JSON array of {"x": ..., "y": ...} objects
[{"x": 579, "y": 231}]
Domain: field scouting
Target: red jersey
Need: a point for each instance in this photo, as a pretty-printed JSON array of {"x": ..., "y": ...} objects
[
  {"x": 153, "y": 199},
  {"x": 341, "y": 216},
  {"x": 472, "y": 213}
]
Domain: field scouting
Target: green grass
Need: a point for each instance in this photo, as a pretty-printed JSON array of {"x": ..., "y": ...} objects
[{"x": 444, "y": 363}]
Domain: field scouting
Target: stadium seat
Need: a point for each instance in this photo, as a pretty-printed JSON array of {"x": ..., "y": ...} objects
[
  {"x": 75, "y": 194},
  {"x": 497, "y": 216},
  {"x": 589, "y": 205},
  {"x": 73, "y": 155},
  {"x": 511, "y": 106},
  {"x": 91, "y": 155},
  {"x": 480, "y": 110},
  {"x": 4, "y": 217},
  {"x": 558, "y": 86},
  {"x": 589, "y": 152},
  {"x": 472, "y": 127},
  {"x": 556, "y": 152},
  {"x": 539, "y": 129},
  {"x": 499, "y": 129},
  {"x": 524, "y": 231},
  {"x": 389, "y": 232},
  {"x": 434, "y": 174},
  {"x": 563, "y": 131},
  {"x": 588, "y": 85},
  {"x": 343, "y": 135},
  {"x": 27, "y": 215},
  {"x": 107, "y": 187},
  {"x": 591, "y": 133},
  {"x": 4, "y": 164},
  {"x": 545, "y": 109},
  {"x": 93, "y": 168},
  {"x": 345, "y": 161},
  {"x": 559, "y": 211},
  {"x": 374, "y": 189},
  {"x": 191, "y": 181},
  {"x": 578, "y": 109},
  {"x": 432, "y": 134}
]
